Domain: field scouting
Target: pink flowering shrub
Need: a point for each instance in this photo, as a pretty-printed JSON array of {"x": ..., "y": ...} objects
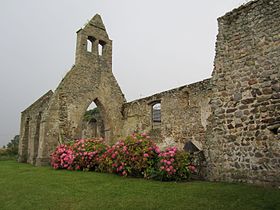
[
  {"x": 83, "y": 154},
  {"x": 135, "y": 156},
  {"x": 62, "y": 157},
  {"x": 174, "y": 165},
  {"x": 87, "y": 153}
]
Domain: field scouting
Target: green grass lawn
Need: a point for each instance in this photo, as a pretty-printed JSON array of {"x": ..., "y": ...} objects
[{"x": 23, "y": 186}]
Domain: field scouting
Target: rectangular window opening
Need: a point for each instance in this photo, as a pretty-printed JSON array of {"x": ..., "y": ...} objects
[{"x": 156, "y": 115}]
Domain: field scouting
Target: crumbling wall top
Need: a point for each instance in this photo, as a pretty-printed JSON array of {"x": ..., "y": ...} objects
[
  {"x": 245, "y": 8},
  {"x": 198, "y": 87},
  {"x": 42, "y": 99}
]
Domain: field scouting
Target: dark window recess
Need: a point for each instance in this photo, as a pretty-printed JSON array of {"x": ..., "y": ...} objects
[
  {"x": 275, "y": 128},
  {"x": 191, "y": 147}
]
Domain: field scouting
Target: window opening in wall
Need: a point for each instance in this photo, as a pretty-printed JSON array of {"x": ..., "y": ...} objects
[
  {"x": 101, "y": 46},
  {"x": 156, "y": 115},
  {"x": 90, "y": 41},
  {"x": 89, "y": 46}
]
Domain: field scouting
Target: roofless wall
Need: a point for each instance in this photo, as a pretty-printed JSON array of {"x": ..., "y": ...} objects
[{"x": 234, "y": 117}]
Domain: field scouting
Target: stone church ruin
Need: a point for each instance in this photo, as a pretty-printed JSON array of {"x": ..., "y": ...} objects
[{"x": 233, "y": 117}]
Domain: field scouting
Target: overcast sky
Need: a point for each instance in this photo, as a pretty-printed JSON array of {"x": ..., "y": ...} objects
[{"x": 157, "y": 45}]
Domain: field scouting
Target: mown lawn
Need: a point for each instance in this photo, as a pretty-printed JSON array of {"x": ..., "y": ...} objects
[{"x": 23, "y": 186}]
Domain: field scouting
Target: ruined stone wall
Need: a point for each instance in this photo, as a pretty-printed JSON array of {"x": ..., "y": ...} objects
[
  {"x": 30, "y": 129},
  {"x": 90, "y": 80},
  {"x": 242, "y": 131},
  {"x": 234, "y": 116},
  {"x": 184, "y": 111}
]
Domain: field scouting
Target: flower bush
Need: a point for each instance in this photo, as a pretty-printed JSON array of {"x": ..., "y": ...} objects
[
  {"x": 173, "y": 165},
  {"x": 136, "y": 155},
  {"x": 83, "y": 154},
  {"x": 87, "y": 153},
  {"x": 62, "y": 157}
]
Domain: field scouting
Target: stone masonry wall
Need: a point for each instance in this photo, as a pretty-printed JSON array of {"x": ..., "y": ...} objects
[
  {"x": 30, "y": 129},
  {"x": 184, "y": 111},
  {"x": 90, "y": 80},
  {"x": 234, "y": 116},
  {"x": 242, "y": 136}
]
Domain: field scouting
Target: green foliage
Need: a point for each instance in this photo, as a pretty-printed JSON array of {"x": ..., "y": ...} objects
[
  {"x": 12, "y": 146},
  {"x": 90, "y": 114},
  {"x": 11, "y": 150}
]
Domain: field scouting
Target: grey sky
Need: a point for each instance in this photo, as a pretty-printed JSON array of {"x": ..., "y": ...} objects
[{"x": 157, "y": 45}]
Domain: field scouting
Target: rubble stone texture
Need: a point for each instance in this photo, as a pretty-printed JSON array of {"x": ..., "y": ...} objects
[
  {"x": 233, "y": 116},
  {"x": 242, "y": 139}
]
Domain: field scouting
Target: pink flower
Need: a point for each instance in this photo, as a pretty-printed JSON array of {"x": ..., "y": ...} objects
[
  {"x": 143, "y": 134},
  {"x": 157, "y": 150},
  {"x": 191, "y": 168},
  {"x": 168, "y": 163},
  {"x": 146, "y": 155}
]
